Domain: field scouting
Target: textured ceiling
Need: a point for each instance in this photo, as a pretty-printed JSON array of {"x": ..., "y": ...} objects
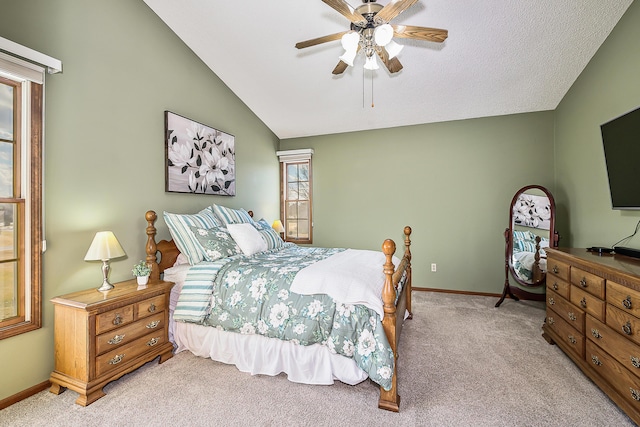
[{"x": 501, "y": 57}]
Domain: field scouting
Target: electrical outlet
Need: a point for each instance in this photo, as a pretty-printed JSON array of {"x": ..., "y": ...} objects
[{"x": 433, "y": 267}]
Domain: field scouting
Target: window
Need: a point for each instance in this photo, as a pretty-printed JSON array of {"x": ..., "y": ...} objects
[
  {"x": 21, "y": 124},
  {"x": 295, "y": 194}
]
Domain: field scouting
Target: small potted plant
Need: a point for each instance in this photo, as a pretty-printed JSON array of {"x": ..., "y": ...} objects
[{"x": 142, "y": 271}]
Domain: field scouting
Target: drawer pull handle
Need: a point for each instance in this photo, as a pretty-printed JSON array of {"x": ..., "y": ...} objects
[
  {"x": 595, "y": 333},
  {"x": 635, "y": 362},
  {"x": 595, "y": 360},
  {"x": 555, "y": 286},
  {"x": 551, "y": 321},
  {"x": 583, "y": 282},
  {"x": 116, "y": 359},
  {"x": 627, "y": 302},
  {"x": 116, "y": 339},
  {"x": 555, "y": 269},
  {"x": 551, "y": 301},
  {"x": 583, "y": 302},
  {"x": 572, "y": 317},
  {"x": 118, "y": 319},
  {"x": 152, "y": 308},
  {"x": 626, "y": 328},
  {"x": 152, "y": 342},
  {"x": 634, "y": 393},
  {"x": 153, "y": 324},
  {"x": 572, "y": 340}
]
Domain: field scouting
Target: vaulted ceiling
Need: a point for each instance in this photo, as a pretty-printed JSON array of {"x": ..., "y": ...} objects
[{"x": 501, "y": 57}]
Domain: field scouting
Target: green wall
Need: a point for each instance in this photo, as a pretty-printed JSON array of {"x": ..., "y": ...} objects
[
  {"x": 608, "y": 87},
  {"x": 104, "y": 161},
  {"x": 451, "y": 182}
]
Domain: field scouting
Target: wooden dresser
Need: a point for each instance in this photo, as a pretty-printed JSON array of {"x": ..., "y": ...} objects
[
  {"x": 100, "y": 336},
  {"x": 593, "y": 315}
]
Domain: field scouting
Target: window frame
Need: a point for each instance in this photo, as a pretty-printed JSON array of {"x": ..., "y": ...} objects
[
  {"x": 297, "y": 157},
  {"x": 28, "y": 122}
]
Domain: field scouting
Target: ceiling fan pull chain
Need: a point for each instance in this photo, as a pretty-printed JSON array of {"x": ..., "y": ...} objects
[{"x": 371, "y": 89}]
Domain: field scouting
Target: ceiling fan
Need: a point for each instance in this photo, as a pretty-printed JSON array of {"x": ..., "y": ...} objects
[{"x": 371, "y": 32}]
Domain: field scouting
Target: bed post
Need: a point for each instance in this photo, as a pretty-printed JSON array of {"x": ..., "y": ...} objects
[
  {"x": 151, "y": 247},
  {"x": 407, "y": 254},
  {"x": 390, "y": 400}
]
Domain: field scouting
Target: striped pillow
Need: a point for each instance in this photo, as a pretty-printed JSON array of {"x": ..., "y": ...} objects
[
  {"x": 270, "y": 235},
  {"x": 179, "y": 227},
  {"x": 232, "y": 216}
]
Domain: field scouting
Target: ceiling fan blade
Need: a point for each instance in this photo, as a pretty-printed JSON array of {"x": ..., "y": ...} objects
[
  {"x": 320, "y": 40},
  {"x": 420, "y": 33},
  {"x": 393, "y": 64},
  {"x": 340, "y": 68},
  {"x": 347, "y": 11},
  {"x": 393, "y": 9}
]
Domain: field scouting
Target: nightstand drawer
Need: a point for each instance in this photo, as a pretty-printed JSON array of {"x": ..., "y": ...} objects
[
  {"x": 114, "y": 319},
  {"x": 562, "y": 287},
  {"x": 588, "y": 282},
  {"x": 558, "y": 268},
  {"x": 151, "y": 306},
  {"x": 589, "y": 303},
  {"x": 129, "y": 352},
  {"x": 626, "y": 299},
  {"x": 113, "y": 339},
  {"x": 565, "y": 310}
]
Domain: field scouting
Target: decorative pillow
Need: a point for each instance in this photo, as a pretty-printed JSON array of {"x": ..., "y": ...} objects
[
  {"x": 232, "y": 216},
  {"x": 271, "y": 236},
  {"x": 215, "y": 242},
  {"x": 184, "y": 239},
  {"x": 248, "y": 238}
]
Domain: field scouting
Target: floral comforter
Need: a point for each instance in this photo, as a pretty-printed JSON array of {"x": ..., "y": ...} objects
[{"x": 250, "y": 295}]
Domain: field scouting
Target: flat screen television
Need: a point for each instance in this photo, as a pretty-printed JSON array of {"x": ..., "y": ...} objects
[{"x": 621, "y": 141}]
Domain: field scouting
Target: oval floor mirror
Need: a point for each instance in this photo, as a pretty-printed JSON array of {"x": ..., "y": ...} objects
[{"x": 531, "y": 229}]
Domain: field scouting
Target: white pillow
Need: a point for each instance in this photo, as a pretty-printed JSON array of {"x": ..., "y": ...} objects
[{"x": 248, "y": 238}]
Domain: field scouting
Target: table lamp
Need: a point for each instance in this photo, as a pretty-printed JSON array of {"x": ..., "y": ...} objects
[
  {"x": 104, "y": 247},
  {"x": 277, "y": 225}
]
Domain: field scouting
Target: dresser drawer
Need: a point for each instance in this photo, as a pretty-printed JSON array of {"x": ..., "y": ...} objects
[
  {"x": 114, "y": 319},
  {"x": 589, "y": 303},
  {"x": 128, "y": 352},
  {"x": 623, "y": 323},
  {"x": 570, "y": 338},
  {"x": 151, "y": 306},
  {"x": 588, "y": 282},
  {"x": 624, "y": 351},
  {"x": 558, "y": 268},
  {"x": 121, "y": 336},
  {"x": 624, "y": 298},
  {"x": 567, "y": 311},
  {"x": 562, "y": 287},
  {"x": 625, "y": 383}
]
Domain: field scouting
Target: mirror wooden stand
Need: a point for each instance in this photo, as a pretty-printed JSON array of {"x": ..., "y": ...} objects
[{"x": 531, "y": 229}]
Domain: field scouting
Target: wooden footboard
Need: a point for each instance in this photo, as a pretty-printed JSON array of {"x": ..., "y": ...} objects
[{"x": 394, "y": 309}]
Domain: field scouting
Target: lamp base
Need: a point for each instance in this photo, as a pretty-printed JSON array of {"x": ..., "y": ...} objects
[{"x": 106, "y": 286}]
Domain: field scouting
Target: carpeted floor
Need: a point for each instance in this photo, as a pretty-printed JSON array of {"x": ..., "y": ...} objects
[{"x": 462, "y": 363}]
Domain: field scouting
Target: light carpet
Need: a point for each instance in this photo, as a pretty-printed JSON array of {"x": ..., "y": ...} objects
[{"x": 463, "y": 362}]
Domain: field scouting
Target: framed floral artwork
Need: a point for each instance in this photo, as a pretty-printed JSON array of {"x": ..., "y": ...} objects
[{"x": 199, "y": 159}]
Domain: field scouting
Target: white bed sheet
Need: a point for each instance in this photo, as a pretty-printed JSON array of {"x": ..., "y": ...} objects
[{"x": 259, "y": 355}]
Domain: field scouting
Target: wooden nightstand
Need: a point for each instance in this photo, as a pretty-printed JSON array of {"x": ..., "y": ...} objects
[{"x": 100, "y": 336}]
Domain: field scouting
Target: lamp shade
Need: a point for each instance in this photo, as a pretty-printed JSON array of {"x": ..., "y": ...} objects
[
  {"x": 393, "y": 49},
  {"x": 105, "y": 246},
  {"x": 371, "y": 63},
  {"x": 350, "y": 40},
  {"x": 383, "y": 34},
  {"x": 277, "y": 226}
]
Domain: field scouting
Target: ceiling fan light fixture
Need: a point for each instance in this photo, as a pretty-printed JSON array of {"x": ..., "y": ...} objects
[
  {"x": 371, "y": 63},
  {"x": 383, "y": 34},
  {"x": 348, "y": 57},
  {"x": 393, "y": 49},
  {"x": 350, "y": 41}
]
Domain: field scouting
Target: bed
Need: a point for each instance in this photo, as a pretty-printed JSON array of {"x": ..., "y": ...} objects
[
  {"x": 349, "y": 337},
  {"x": 528, "y": 256}
]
